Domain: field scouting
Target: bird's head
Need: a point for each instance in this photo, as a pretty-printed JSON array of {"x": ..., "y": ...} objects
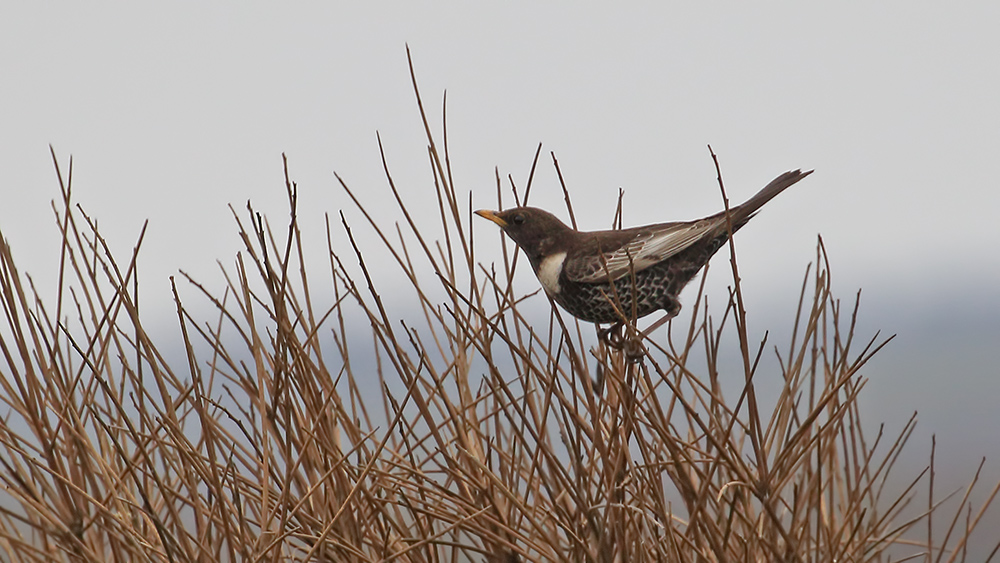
[{"x": 534, "y": 230}]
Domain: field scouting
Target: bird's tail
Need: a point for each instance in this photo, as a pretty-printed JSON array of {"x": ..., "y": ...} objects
[{"x": 742, "y": 213}]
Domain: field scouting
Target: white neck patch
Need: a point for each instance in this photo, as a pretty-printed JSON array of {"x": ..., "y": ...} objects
[{"x": 549, "y": 270}]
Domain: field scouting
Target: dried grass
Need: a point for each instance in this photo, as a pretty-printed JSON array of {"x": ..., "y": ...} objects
[{"x": 494, "y": 436}]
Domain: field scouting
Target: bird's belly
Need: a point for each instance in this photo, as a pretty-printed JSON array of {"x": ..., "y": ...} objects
[{"x": 654, "y": 288}]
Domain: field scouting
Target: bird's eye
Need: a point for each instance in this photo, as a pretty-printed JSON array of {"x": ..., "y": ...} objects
[{"x": 517, "y": 219}]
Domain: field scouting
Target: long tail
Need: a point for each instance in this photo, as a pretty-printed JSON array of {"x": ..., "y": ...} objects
[{"x": 741, "y": 213}]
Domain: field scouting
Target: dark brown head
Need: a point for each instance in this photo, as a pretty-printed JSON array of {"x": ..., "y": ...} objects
[{"x": 538, "y": 233}]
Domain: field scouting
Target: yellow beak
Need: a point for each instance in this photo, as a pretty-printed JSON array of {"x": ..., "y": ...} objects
[{"x": 492, "y": 216}]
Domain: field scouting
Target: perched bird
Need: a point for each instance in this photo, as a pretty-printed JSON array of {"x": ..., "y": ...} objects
[{"x": 607, "y": 276}]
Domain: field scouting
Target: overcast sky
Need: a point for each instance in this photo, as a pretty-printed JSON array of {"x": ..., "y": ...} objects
[{"x": 172, "y": 111}]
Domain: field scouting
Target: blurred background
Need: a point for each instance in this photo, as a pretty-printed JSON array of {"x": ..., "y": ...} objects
[{"x": 172, "y": 113}]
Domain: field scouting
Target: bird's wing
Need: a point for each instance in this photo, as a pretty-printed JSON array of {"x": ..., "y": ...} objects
[{"x": 649, "y": 246}]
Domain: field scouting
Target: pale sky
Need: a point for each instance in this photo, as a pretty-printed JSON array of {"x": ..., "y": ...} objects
[{"x": 172, "y": 111}]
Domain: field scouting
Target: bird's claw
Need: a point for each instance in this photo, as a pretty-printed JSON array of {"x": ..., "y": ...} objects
[
  {"x": 612, "y": 336},
  {"x": 616, "y": 337}
]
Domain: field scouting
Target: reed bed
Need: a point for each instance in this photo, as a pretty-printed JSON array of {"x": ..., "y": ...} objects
[{"x": 309, "y": 421}]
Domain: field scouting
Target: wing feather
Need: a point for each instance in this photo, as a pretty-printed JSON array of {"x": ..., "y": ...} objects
[
  {"x": 648, "y": 246},
  {"x": 639, "y": 248}
]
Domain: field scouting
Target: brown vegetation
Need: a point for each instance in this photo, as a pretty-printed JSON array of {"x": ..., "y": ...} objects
[{"x": 494, "y": 437}]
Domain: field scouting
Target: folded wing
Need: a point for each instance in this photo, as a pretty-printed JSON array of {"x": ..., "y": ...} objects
[
  {"x": 649, "y": 246},
  {"x": 638, "y": 249}
]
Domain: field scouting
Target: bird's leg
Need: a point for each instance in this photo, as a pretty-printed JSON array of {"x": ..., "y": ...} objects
[
  {"x": 634, "y": 350},
  {"x": 672, "y": 307},
  {"x": 616, "y": 336}
]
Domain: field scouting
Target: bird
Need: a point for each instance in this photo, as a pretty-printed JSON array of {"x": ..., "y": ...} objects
[{"x": 613, "y": 276}]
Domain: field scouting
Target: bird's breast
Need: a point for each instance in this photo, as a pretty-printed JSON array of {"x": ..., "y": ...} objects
[{"x": 548, "y": 272}]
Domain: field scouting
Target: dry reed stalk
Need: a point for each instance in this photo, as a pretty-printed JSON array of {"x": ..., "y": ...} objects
[{"x": 494, "y": 436}]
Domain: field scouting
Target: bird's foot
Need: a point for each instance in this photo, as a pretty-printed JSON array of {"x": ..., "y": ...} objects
[
  {"x": 617, "y": 337},
  {"x": 634, "y": 350},
  {"x": 613, "y": 336}
]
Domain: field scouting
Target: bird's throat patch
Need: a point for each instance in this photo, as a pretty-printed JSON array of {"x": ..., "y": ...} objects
[{"x": 549, "y": 270}]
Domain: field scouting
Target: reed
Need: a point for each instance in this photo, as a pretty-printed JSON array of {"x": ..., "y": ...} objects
[{"x": 309, "y": 420}]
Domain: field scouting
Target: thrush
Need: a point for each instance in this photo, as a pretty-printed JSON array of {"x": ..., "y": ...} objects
[{"x": 609, "y": 276}]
